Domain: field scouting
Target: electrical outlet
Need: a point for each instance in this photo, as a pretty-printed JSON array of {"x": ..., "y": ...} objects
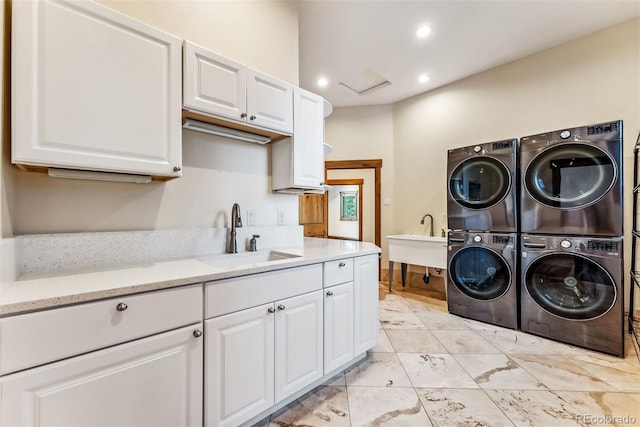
[
  {"x": 251, "y": 218},
  {"x": 280, "y": 218}
]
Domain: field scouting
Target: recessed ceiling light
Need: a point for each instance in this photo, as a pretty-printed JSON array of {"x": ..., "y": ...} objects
[
  {"x": 423, "y": 31},
  {"x": 423, "y": 78},
  {"x": 322, "y": 82}
]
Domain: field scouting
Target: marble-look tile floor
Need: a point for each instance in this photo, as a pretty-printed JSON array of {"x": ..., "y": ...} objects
[{"x": 431, "y": 368}]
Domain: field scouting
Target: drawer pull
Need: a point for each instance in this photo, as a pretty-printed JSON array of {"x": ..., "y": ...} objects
[
  {"x": 271, "y": 310},
  {"x": 281, "y": 307},
  {"x": 122, "y": 306},
  {"x": 342, "y": 264},
  {"x": 329, "y": 293},
  {"x": 197, "y": 333}
]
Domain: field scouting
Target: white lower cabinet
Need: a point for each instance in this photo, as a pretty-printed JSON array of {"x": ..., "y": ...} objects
[
  {"x": 154, "y": 381},
  {"x": 140, "y": 360},
  {"x": 239, "y": 366},
  {"x": 298, "y": 343},
  {"x": 338, "y": 326},
  {"x": 365, "y": 289},
  {"x": 259, "y": 356}
]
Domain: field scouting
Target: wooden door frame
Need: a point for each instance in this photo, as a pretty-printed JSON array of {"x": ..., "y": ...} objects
[
  {"x": 351, "y": 181},
  {"x": 375, "y": 164}
]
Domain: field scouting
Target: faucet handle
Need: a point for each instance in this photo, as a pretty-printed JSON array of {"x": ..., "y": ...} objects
[{"x": 253, "y": 243}]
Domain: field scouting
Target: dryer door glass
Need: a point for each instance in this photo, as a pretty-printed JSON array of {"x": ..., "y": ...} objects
[
  {"x": 570, "y": 176},
  {"x": 479, "y": 182},
  {"x": 570, "y": 286},
  {"x": 480, "y": 273}
]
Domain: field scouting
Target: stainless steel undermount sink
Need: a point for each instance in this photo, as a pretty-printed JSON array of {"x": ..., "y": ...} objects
[{"x": 247, "y": 258}]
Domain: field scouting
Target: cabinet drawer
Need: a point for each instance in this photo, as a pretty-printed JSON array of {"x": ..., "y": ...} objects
[
  {"x": 37, "y": 338},
  {"x": 339, "y": 271},
  {"x": 229, "y": 295}
]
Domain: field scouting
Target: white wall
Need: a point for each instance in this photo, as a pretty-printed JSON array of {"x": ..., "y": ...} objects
[
  {"x": 261, "y": 34},
  {"x": 359, "y": 133},
  {"x": 592, "y": 79},
  {"x": 589, "y": 80},
  {"x": 217, "y": 172}
]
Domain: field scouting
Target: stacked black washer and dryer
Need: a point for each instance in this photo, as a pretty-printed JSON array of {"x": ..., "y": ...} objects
[
  {"x": 536, "y": 235},
  {"x": 571, "y": 243},
  {"x": 482, "y": 246}
]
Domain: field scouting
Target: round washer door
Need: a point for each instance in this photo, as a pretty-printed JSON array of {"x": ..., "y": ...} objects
[
  {"x": 479, "y": 182},
  {"x": 570, "y": 176},
  {"x": 570, "y": 286},
  {"x": 480, "y": 273}
]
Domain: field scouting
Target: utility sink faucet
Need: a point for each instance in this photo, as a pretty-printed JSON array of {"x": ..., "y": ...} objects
[
  {"x": 236, "y": 222},
  {"x": 430, "y": 222}
]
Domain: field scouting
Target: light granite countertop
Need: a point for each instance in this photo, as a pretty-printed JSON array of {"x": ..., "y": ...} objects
[{"x": 41, "y": 291}]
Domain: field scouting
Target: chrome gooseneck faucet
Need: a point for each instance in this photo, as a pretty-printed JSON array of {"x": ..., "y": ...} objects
[
  {"x": 236, "y": 222},
  {"x": 430, "y": 223}
]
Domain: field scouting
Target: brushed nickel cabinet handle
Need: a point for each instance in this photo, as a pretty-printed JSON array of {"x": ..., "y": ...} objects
[
  {"x": 281, "y": 307},
  {"x": 122, "y": 306},
  {"x": 253, "y": 117},
  {"x": 271, "y": 310},
  {"x": 329, "y": 293},
  {"x": 197, "y": 333},
  {"x": 342, "y": 264},
  {"x": 243, "y": 115}
]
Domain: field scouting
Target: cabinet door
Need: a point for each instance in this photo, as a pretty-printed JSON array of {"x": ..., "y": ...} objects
[
  {"x": 214, "y": 84},
  {"x": 298, "y": 343},
  {"x": 365, "y": 285},
  {"x": 94, "y": 89},
  {"x": 269, "y": 102},
  {"x": 239, "y": 366},
  {"x": 308, "y": 140},
  {"x": 155, "y": 381},
  {"x": 338, "y": 326}
]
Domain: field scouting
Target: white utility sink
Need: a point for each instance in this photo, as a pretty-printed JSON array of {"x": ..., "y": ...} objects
[
  {"x": 246, "y": 258},
  {"x": 416, "y": 249}
]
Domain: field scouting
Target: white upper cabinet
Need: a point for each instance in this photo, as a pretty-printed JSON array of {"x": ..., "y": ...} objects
[
  {"x": 216, "y": 85},
  {"x": 298, "y": 162},
  {"x": 269, "y": 102},
  {"x": 213, "y": 83},
  {"x": 308, "y": 149},
  {"x": 93, "y": 89}
]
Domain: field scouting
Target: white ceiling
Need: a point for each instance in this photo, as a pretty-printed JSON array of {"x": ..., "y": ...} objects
[{"x": 359, "y": 42}]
